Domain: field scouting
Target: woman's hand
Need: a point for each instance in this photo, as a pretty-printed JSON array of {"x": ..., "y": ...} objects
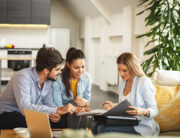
[
  {"x": 82, "y": 109},
  {"x": 54, "y": 117},
  {"x": 107, "y": 105},
  {"x": 68, "y": 108},
  {"x": 81, "y": 101},
  {"x": 138, "y": 111}
]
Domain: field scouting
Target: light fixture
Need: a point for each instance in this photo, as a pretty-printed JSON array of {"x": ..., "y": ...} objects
[{"x": 24, "y": 26}]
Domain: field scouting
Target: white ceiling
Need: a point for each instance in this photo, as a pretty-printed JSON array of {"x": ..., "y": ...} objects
[
  {"x": 82, "y": 8},
  {"x": 116, "y": 6}
]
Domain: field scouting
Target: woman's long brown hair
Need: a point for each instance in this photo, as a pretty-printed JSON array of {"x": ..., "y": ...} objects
[{"x": 72, "y": 54}]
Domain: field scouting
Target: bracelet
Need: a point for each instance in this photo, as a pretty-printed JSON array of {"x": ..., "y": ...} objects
[{"x": 148, "y": 113}]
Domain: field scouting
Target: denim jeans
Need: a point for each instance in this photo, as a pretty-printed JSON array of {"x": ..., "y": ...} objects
[
  {"x": 76, "y": 122},
  {"x": 100, "y": 128}
]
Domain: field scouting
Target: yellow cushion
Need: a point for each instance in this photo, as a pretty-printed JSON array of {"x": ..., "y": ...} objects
[{"x": 168, "y": 102}]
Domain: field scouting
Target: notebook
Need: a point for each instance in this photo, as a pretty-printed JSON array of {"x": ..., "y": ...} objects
[{"x": 38, "y": 125}]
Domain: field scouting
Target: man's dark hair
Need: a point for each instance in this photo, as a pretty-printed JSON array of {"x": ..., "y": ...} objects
[{"x": 48, "y": 57}]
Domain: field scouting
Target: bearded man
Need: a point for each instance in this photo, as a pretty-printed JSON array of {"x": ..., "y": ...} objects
[{"x": 31, "y": 88}]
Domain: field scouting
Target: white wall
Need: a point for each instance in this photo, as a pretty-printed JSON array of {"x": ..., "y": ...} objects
[
  {"x": 104, "y": 42},
  {"x": 60, "y": 39},
  {"x": 25, "y": 37},
  {"x": 62, "y": 18}
]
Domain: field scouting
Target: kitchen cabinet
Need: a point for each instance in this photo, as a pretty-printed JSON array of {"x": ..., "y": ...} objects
[
  {"x": 19, "y": 11},
  {"x": 25, "y": 11},
  {"x": 3, "y": 11},
  {"x": 41, "y": 11}
]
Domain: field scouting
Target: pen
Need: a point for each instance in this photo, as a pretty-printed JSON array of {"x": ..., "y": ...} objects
[
  {"x": 104, "y": 103},
  {"x": 80, "y": 106}
]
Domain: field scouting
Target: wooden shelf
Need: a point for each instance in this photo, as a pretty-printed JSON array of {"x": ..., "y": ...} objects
[{"x": 17, "y": 58}]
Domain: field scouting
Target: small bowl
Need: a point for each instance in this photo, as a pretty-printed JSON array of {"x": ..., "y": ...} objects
[
  {"x": 56, "y": 134},
  {"x": 22, "y": 132}
]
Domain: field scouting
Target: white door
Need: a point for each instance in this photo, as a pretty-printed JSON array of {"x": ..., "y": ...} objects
[{"x": 60, "y": 39}]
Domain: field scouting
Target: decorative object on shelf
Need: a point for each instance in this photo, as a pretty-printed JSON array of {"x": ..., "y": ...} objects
[
  {"x": 9, "y": 46},
  {"x": 164, "y": 19}
]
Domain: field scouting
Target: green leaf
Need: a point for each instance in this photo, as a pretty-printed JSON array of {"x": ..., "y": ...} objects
[
  {"x": 151, "y": 51},
  {"x": 140, "y": 13},
  {"x": 150, "y": 74},
  {"x": 150, "y": 42},
  {"x": 141, "y": 2},
  {"x": 146, "y": 34},
  {"x": 147, "y": 63}
]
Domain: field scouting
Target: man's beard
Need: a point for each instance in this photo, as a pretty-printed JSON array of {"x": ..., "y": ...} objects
[{"x": 50, "y": 78}]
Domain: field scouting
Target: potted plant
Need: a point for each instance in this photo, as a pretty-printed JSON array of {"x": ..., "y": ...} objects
[{"x": 164, "y": 20}]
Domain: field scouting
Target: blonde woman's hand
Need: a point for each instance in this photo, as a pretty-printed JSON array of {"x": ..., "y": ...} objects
[
  {"x": 81, "y": 101},
  {"x": 138, "y": 111},
  {"x": 107, "y": 105}
]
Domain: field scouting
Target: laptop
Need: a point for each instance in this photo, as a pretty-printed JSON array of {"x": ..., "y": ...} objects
[{"x": 38, "y": 125}]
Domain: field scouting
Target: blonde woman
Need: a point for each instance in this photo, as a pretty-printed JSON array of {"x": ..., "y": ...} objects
[{"x": 140, "y": 92}]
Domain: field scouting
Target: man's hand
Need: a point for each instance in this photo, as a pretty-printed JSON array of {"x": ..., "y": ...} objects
[
  {"x": 81, "y": 101},
  {"x": 138, "y": 111},
  {"x": 69, "y": 108},
  {"x": 107, "y": 105},
  {"x": 54, "y": 117}
]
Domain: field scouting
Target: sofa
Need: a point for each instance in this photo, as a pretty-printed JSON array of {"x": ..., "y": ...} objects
[
  {"x": 167, "y": 85},
  {"x": 168, "y": 102}
]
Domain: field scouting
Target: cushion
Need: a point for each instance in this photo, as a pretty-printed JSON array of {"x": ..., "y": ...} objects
[
  {"x": 168, "y": 103},
  {"x": 167, "y": 78}
]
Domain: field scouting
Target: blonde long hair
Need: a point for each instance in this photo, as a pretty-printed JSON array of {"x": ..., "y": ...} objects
[{"x": 132, "y": 62}]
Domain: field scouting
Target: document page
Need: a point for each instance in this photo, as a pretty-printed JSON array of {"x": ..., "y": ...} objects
[{"x": 93, "y": 112}]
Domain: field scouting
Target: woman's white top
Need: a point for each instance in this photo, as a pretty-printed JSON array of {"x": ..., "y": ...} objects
[{"x": 127, "y": 97}]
